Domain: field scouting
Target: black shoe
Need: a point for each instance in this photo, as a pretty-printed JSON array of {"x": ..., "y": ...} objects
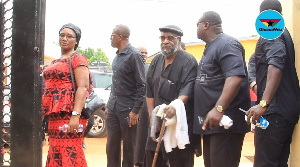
[{"x": 83, "y": 145}]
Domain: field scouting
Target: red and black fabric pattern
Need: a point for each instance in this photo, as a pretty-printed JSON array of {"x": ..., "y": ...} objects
[
  {"x": 59, "y": 95},
  {"x": 65, "y": 149}
]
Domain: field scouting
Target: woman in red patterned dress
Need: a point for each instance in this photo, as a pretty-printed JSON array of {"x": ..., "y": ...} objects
[{"x": 61, "y": 103}]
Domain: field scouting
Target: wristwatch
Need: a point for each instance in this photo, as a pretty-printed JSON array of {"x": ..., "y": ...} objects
[
  {"x": 75, "y": 113},
  {"x": 263, "y": 103},
  {"x": 219, "y": 108}
]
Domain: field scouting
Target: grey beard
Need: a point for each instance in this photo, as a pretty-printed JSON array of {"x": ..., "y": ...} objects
[{"x": 172, "y": 51}]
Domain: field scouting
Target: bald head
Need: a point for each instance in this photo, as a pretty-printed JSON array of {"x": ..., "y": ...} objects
[
  {"x": 182, "y": 45},
  {"x": 213, "y": 18},
  {"x": 144, "y": 52},
  {"x": 122, "y": 30}
]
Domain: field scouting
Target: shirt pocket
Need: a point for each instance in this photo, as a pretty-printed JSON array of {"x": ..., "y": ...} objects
[{"x": 167, "y": 89}]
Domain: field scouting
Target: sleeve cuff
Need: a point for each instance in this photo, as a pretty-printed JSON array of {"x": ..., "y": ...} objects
[{"x": 136, "y": 110}]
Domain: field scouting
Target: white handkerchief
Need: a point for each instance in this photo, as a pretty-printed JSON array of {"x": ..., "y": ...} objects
[{"x": 226, "y": 122}]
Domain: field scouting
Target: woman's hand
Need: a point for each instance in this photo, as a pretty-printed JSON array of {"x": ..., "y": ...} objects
[{"x": 74, "y": 124}]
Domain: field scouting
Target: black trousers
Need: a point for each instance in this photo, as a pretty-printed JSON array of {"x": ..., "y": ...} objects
[
  {"x": 89, "y": 126},
  {"x": 118, "y": 130},
  {"x": 182, "y": 160},
  {"x": 272, "y": 145},
  {"x": 142, "y": 133},
  {"x": 222, "y": 149},
  {"x": 160, "y": 162}
]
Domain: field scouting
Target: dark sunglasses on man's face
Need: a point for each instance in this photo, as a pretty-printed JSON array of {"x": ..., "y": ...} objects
[{"x": 170, "y": 38}]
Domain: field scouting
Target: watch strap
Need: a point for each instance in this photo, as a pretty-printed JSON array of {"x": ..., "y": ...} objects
[{"x": 75, "y": 113}]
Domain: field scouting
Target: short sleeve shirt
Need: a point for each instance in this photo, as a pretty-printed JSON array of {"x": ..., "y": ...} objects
[
  {"x": 222, "y": 58},
  {"x": 281, "y": 55},
  {"x": 59, "y": 94},
  {"x": 165, "y": 85}
]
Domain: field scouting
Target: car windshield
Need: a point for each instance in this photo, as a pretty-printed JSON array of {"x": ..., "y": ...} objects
[{"x": 101, "y": 80}]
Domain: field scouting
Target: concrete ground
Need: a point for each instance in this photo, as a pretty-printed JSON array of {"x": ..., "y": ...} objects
[{"x": 96, "y": 156}]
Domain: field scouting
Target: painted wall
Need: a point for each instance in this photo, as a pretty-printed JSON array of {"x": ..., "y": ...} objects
[
  {"x": 48, "y": 60},
  {"x": 291, "y": 15},
  {"x": 197, "y": 49}
]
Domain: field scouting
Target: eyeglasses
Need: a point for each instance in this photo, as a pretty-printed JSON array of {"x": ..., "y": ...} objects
[
  {"x": 199, "y": 23},
  {"x": 67, "y": 36},
  {"x": 114, "y": 35},
  {"x": 170, "y": 38}
]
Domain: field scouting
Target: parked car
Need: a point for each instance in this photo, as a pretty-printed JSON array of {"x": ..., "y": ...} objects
[
  {"x": 102, "y": 84},
  {"x": 102, "y": 87}
]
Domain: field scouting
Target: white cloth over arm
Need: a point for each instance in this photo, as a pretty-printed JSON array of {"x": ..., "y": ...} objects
[{"x": 176, "y": 135}]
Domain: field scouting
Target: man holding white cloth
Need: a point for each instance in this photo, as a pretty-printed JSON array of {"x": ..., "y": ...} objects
[{"x": 171, "y": 76}]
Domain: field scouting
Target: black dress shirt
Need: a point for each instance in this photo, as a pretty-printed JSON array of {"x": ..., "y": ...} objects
[
  {"x": 128, "y": 81},
  {"x": 280, "y": 53},
  {"x": 252, "y": 69}
]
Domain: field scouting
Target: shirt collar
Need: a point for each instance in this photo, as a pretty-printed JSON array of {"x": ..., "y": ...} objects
[{"x": 125, "y": 50}]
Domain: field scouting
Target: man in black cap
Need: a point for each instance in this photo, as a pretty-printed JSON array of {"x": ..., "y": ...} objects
[
  {"x": 278, "y": 93},
  {"x": 171, "y": 76},
  {"x": 221, "y": 88}
]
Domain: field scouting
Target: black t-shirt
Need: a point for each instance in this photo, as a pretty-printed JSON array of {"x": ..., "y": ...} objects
[
  {"x": 280, "y": 53},
  {"x": 222, "y": 58}
]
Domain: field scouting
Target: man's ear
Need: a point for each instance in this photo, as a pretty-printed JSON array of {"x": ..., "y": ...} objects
[{"x": 206, "y": 25}]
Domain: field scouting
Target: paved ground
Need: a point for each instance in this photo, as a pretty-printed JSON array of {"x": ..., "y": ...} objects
[{"x": 96, "y": 156}]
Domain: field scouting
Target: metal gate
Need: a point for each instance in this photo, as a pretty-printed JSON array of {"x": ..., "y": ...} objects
[{"x": 22, "y": 30}]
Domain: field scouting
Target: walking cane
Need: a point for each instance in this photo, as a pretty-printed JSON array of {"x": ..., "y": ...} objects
[{"x": 159, "y": 141}]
